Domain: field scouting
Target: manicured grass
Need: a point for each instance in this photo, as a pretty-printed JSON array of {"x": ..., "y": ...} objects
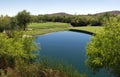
[
  {"x": 93, "y": 29},
  {"x": 48, "y": 27}
]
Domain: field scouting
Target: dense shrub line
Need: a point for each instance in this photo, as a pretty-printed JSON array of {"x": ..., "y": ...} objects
[
  {"x": 21, "y": 20},
  {"x": 75, "y": 20}
]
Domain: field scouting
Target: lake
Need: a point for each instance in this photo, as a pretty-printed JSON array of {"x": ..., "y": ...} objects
[{"x": 70, "y": 47}]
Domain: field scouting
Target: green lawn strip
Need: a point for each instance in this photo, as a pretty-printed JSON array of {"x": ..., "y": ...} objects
[
  {"x": 93, "y": 29},
  {"x": 48, "y": 27}
]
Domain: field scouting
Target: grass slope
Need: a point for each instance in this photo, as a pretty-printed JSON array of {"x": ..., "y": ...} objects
[
  {"x": 48, "y": 27},
  {"x": 43, "y": 28},
  {"x": 93, "y": 29}
]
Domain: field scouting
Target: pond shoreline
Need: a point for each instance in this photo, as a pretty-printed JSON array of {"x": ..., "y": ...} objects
[{"x": 83, "y": 31}]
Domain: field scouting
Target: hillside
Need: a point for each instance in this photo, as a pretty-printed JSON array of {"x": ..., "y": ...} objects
[
  {"x": 60, "y": 14},
  {"x": 116, "y": 12}
]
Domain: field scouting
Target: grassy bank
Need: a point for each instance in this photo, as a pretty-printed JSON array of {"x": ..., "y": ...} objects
[
  {"x": 93, "y": 29},
  {"x": 48, "y": 27}
]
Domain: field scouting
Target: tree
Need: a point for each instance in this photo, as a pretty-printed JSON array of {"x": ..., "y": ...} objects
[
  {"x": 80, "y": 21},
  {"x": 1, "y": 26},
  {"x": 15, "y": 50},
  {"x": 8, "y": 24},
  {"x": 23, "y": 18},
  {"x": 94, "y": 21},
  {"x": 14, "y": 23},
  {"x": 5, "y": 23},
  {"x": 104, "y": 49}
]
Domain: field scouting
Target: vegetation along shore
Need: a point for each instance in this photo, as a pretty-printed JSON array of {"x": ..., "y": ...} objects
[{"x": 16, "y": 52}]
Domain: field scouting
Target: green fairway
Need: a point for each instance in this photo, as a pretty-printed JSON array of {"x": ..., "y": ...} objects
[
  {"x": 48, "y": 27},
  {"x": 93, "y": 29}
]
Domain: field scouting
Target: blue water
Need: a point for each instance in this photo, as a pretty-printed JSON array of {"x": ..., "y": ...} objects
[{"x": 69, "y": 47}]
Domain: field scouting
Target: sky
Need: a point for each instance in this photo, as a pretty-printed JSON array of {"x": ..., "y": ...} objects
[{"x": 35, "y": 7}]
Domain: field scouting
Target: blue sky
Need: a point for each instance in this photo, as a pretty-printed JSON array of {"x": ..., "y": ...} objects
[{"x": 12, "y": 7}]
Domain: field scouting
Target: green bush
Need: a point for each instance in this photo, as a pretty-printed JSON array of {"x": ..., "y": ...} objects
[
  {"x": 15, "y": 49},
  {"x": 103, "y": 50}
]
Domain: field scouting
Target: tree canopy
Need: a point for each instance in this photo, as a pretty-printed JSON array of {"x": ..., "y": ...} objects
[
  {"x": 103, "y": 51},
  {"x": 15, "y": 49},
  {"x": 23, "y": 18}
]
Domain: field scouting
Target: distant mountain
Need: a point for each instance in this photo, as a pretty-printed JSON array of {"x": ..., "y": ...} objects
[
  {"x": 60, "y": 14},
  {"x": 116, "y": 12}
]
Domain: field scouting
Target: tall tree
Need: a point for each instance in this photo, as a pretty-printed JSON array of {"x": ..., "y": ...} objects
[{"x": 23, "y": 18}]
